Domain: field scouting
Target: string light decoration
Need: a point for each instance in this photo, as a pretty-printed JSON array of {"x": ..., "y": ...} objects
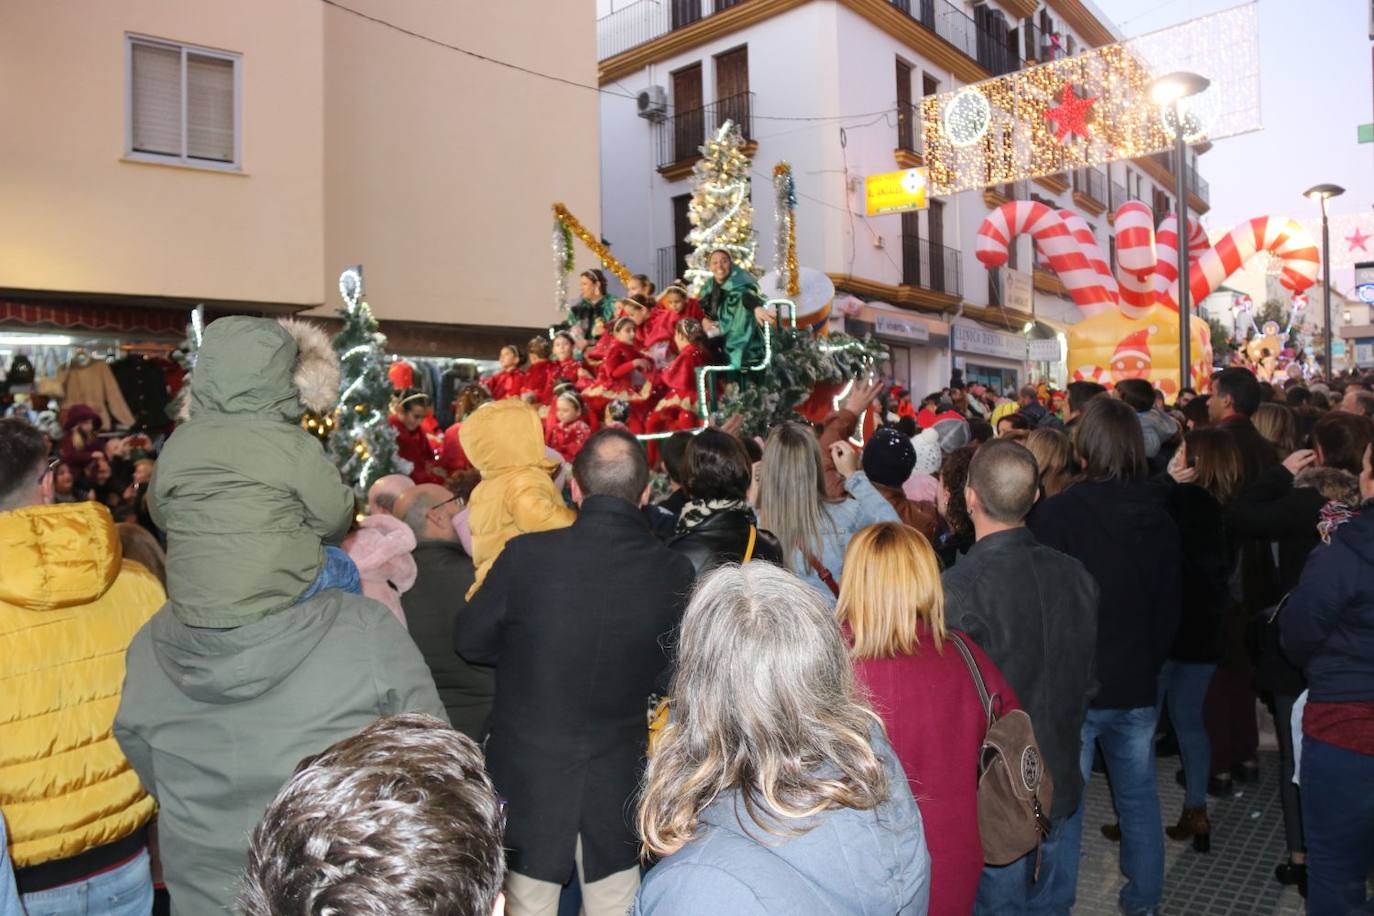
[
  {"x": 1352, "y": 239},
  {"x": 562, "y": 261},
  {"x": 362, "y": 443},
  {"x": 719, "y": 211},
  {"x": 603, "y": 254},
  {"x": 1001, "y": 130},
  {"x": 785, "y": 241}
]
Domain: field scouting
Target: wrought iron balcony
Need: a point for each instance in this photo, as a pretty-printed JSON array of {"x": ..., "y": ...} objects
[
  {"x": 681, "y": 134},
  {"x": 930, "y": 266},
  {"x": 640, "y": 22}
]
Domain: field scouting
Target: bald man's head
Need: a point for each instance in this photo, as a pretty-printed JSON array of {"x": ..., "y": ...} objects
[
  {"x": 382, "y": 495},
  {"x": 612, "y": 463},
  {"x": 417, "y": 508},
  {"x": 1004, "y": 479}
]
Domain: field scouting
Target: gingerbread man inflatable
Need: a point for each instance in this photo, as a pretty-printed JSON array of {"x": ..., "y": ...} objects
[{"x": 1130, "y": 319}]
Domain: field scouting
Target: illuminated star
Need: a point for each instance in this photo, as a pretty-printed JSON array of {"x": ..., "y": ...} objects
[
  {"x": 1070, "y": 118},
  {"x": 1357, "y": 240}
]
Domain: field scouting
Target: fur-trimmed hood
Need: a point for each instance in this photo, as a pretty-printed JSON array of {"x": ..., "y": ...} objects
[
  {"x": 1332, "y": 483},
  {"x": 262, "y": 366}
]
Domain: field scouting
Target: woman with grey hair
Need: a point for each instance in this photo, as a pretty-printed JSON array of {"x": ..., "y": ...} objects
[
  {"x": 774, "y": 789},
  {"x": 814, "y": 529}
]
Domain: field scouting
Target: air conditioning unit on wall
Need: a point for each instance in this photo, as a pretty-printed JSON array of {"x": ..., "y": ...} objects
[{"x": 653, "y": 103}]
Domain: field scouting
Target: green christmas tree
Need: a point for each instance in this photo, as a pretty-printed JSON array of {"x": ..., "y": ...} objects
[
  {"x": 363, "y": 444},
  {"x": 719, "y": 211}
]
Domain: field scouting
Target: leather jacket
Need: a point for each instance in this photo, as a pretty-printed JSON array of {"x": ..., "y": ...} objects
[{"x": 722, "y": 538}]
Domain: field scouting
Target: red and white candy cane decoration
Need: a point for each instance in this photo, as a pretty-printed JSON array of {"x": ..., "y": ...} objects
[
  {"x": 1278, "y": 235},
  {"x": 1057, "y": 244},
  {"x": 1135, "y": 256},
  {"x": 1166, "y": 268},
  {"x": 1088, "y": 242}
]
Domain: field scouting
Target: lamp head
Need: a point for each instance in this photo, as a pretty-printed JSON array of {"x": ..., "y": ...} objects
[
  {"x": 1171, "y": 87},
  {"x": 1323, "y": 191}
]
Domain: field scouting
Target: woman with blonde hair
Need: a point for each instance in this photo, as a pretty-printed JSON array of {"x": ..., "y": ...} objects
[
  {"x": 892, "y": 609},
  {"x": 812, "y": 528},
  {"x": 773, "y": 788},
  {"x": 1054, "y": 456},
  {"x": 1278, "y": 424}
]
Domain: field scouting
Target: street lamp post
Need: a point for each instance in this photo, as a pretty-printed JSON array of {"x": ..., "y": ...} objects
[
  {"x": 1321, "y": 193},
  {"x": 1170, "y": 90}
]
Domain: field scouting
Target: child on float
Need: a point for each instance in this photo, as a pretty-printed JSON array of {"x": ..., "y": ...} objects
[
  {"x": 536, "y": 386},
  {"x": 623, "y": 375},
  {"x": 507, "y": 381},
  {"x": 677, "y": 408},
  {"x": 568, "y": 431}
]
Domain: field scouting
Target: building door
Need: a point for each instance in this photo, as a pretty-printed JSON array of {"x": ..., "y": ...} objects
[
  {"x": 906, "y": 135},
  {"x": 911, "y": 248},
  {"x": 936, "y": 233},
  {"x": 732, "y": 89},
  {"x": 689, "y": 117},
  {"x": 682, "y": 225}
]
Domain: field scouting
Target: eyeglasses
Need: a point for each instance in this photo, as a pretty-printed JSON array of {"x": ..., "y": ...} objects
[{"x": 442, "y": 504}]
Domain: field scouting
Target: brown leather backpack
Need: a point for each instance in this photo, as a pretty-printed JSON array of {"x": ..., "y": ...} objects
[{"x": 1014, "y": 787}]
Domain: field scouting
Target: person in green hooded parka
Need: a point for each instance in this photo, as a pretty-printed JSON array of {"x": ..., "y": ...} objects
[{"x": 733, "y": 306}]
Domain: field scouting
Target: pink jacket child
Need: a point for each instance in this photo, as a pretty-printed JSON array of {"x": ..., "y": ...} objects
[{"x": 381, "y": 547}]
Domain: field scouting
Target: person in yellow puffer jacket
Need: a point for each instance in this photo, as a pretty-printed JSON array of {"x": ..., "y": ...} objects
[
  {"x": 504, "y": 440},
  {"x": 69, "y": 607}
]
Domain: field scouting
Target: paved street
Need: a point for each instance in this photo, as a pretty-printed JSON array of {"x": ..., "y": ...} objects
[{"x": 1236, "y": 877}]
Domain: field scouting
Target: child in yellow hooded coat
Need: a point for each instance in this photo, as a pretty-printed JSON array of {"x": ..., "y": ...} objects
[{"x": 504, "y": 440}]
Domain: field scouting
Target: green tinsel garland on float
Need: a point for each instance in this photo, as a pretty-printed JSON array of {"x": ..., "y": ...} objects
[{"x": 800, "y": 363}]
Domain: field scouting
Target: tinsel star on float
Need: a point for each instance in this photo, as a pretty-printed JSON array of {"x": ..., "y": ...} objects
[
  {"x": 1357, "y": 240},
  {"x": 1070, "y": 117}
]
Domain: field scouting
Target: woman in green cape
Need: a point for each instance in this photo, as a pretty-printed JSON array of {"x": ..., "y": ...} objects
[{"x": 734, "y": 310}]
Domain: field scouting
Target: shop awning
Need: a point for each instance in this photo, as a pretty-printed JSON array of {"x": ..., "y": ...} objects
[{"x": 122, "y": 318}]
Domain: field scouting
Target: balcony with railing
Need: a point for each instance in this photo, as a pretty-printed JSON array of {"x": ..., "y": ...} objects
[
  {"x": 681, "y": 134},
  {"x": 930, "y": 266},
  {"x": 1090, "y": 190},
  {"x": 1118, "y": 196},
  {"x": 908, "y": 151},
  {"x": 642, "y": 21}
]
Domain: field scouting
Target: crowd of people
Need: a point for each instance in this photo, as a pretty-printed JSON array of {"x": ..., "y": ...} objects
[{"x": 765, "y": 686}]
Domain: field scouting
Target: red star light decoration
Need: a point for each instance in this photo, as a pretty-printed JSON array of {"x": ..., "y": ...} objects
[
  {"x": 1070, "y": 117},
  {"x": 1357, "y": 240}
]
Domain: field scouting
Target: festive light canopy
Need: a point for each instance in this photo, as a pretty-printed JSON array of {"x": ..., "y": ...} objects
[
  {"x": 1095, "y": 106},
  {"x": 1352, "y": 239}
]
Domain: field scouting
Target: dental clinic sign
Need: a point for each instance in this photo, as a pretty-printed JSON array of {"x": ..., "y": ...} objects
[{"x": 988, "y": 343}]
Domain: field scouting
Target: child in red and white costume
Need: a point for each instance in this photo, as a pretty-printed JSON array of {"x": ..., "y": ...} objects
[
  {"x": 508, "y": 380},
  {"x": 622, "y": 376},
  {"x": 673, "y": 306},
  {"x": 677, "y": 409},
  {"x": 568, "y": 431},
  {"x": 536, "y": 384}
]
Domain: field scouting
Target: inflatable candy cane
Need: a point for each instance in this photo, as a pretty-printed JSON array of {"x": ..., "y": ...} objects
[
  {"x": 1282, "y": 237},
  {"x": 1056, "y": 243},
  {"x": 1135, "y": 256},
  {"x": 1088, "y": 243},
  {"x": 1166, "y": 269}
]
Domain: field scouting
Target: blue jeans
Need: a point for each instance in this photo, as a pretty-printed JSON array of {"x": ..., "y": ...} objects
[
  {"x": 339, "y": 571},
  {"x": 123, "y": 891},
  {"x": 1185, "y": 686},
  {"x": 1338, "y": 818},
  {"x": 1015, "y": 889},
  {"x": 1128, "y": 748}
]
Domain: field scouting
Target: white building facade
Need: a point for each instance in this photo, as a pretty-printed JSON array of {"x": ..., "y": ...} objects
[{"x": 834, "y": 88}]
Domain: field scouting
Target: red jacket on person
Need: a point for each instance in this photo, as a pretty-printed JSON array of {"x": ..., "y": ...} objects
[
  {"x": 413, "y": 446},
  {"x": 505, "y": 383},
  {"x": 936, "y": 723}
]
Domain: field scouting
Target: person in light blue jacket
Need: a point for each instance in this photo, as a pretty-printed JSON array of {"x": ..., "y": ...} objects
[
  {"x": 813, "y": 529},
  {"x": 9, "y": 895},
  {"x": 773, "y": 790}
]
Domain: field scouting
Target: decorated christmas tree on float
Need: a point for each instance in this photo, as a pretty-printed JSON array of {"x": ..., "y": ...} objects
[
  {"x": 363, "y": 444},
  {"x": 720, "y": 211}
]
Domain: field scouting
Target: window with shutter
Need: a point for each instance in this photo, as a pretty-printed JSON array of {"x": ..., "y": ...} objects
[{"x": 182, "y": 104}]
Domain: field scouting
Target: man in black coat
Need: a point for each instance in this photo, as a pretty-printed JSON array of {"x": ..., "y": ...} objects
[
  {"x": 576, "y": 658},
  {"x": 443, "y": 575},
  {"x": 1033, "y": 610}
]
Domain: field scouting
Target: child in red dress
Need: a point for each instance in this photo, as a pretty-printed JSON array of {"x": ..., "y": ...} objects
[
  {"x": 623, "y": 375},
  {"x": 568, "y": 432},
  {"x": 567, "y": 368},
  {"x": 537, "y": 385},
  {"x": 673, "y": 306},
  {"x": 677, "y": 409},
  {"x": 507, "y": 382}
]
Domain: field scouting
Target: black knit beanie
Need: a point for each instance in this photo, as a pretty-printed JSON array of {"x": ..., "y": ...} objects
[{"x": 889, "y": 457}]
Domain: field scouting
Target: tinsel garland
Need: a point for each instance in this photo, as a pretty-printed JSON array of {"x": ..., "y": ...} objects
[
  {"x": 800, "y": 363},
  {"x": 785, "y": 233},
  {"x": 562, "y": 262},
  {"x": 603, "y": 253}
]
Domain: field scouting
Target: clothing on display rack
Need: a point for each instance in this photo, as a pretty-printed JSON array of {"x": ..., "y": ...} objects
[
  {"x": 143, "y": 382},
  {"x": 91, "y": 382}
]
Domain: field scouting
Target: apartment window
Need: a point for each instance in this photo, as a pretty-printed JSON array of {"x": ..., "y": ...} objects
[
  {"x": 906, "y": 134},
  {"x": 183, "y": 104},
  {"x": 732, "y": 89}
]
